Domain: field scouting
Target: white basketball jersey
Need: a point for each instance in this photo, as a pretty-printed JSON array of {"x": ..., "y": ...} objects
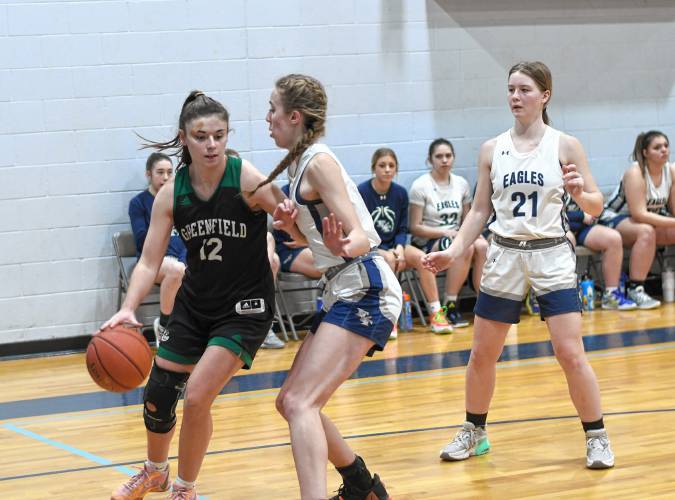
[
  {"x": 311, "y": 212},
  {"x": 528, "y": 189},
  {"x": 657, "y": 197},
  {"x": 442, "y": 205}
]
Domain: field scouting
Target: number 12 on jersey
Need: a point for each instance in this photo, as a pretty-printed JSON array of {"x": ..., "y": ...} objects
[
  {"x": 213, "y": 245},
  {"x": 520, "y": 198}
]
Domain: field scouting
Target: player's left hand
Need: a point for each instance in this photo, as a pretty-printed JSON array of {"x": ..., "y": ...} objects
[
  {"x": 437, "y": 261},
  {"x": 573, "y": 182},
  {"x": 284, "y": 215},
  {"x": 333, "y": 237}
]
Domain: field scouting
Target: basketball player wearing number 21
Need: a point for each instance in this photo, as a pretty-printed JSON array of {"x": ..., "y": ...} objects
[
  {"x": 225, "y": 305},
  {"x": 523, "y": 175}
]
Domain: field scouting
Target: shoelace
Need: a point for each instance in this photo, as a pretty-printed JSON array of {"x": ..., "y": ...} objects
[
  {"x": 598, "y": 443},
  {"x": 136, "y": 479},
  {"x": 465, "y": 437},
  {"x": 641, "y": 295},
  {"x": 179, "y": 493}
]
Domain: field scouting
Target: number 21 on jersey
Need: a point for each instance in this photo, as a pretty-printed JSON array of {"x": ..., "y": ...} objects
[{"x": 519, "y": 210}]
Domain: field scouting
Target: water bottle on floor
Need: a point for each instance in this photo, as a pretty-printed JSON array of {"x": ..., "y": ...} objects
[
  {"x": 405, "y": 319},
  {"x": 587, "y": 293}
]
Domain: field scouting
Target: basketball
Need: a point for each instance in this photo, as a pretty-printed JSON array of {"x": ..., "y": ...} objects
[{"x": 118, "y": 359}]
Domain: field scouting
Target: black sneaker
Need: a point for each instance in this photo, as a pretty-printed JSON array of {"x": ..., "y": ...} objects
[
  {"x": 454, "y": 316},
  {"x": 375, "y": 492}
]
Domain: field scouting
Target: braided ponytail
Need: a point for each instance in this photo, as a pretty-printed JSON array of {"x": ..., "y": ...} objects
[{"x": 306, "y": 95}]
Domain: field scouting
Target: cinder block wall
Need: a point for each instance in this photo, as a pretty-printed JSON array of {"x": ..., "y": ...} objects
[{"x": 79, "y": 80}]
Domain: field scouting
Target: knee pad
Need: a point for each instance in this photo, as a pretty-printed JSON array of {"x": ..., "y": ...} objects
[{"x": 160, "y": 397}]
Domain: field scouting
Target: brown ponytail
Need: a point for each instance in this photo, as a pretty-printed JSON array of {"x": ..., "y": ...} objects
[
  {"x": 642, "y": 142},
  {"x": 196, "y": 105}
]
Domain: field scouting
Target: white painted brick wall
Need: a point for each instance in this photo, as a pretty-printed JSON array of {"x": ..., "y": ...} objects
[{"x": 79, "y": 80}]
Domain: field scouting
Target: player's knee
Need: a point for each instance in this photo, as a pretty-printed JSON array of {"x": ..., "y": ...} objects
[
  {"x": 290, "y": 405},
  {"x": 571, "y": 359},
  {"x": 483, "y": 356},
  {"x": 389, "y": 259},
  {"x": 161, "y": 395},
  {"x": 278, "y": 403},
  {"x": 646, "y": 233},
  {"x": 614, "y": 240},
  {"x": 176, "y": 271},
  {"x": 481, "y": 246}
]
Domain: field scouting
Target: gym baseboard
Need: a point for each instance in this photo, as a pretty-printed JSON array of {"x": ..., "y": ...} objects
[{"x": 54, "y": 347}]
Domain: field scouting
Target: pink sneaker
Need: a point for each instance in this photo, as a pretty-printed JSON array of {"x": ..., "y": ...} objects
[
  {"x": 181, "y": 493},
  {"x": 142, "y": 483}
]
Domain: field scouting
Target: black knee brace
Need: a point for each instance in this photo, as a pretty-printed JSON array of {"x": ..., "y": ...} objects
[{"x": 161, "y": 395}]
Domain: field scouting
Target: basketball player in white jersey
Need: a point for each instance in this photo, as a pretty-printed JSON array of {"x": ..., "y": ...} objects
[
  {"x": 641, "y": 210},
  {"x": 361, "y": 296},
  {"x": 522, "y": 175}
]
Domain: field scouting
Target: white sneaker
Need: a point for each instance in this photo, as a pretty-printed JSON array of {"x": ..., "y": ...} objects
[
  {"x": 272, "y": 341},
  {"x": 599, "y": 453},
  {"x": 469, "y": 441},
  {"x": 641, "y": 298},
  {"x": 394, "y": 333}
]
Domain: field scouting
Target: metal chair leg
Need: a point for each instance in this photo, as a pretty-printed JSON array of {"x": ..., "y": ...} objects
[
  {"x": 289, "y": 318},
  {"x": 413, "y": 291},
  {"x": 280, "y": 320}
]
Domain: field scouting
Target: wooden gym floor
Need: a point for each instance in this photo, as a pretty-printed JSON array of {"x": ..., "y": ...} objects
[{"x": 63, "y": 438}]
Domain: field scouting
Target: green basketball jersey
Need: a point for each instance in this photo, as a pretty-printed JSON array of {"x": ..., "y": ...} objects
[{"x": 227, "y": 263}]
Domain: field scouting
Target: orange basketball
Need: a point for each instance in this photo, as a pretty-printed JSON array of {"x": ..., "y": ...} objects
[{"x": 119, "y": 359}]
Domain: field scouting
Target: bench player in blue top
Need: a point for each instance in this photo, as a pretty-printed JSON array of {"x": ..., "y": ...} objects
[{"x": 158, "y": 170}]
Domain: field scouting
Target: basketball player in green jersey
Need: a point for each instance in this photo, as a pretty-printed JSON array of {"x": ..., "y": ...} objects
[{"x": 225, "y": 305}]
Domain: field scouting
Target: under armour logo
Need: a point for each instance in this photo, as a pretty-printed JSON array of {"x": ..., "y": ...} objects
[{"x": 364, "y": 317}]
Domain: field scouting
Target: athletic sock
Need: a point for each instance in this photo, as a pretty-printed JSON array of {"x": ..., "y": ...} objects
[
  {"x": 450, "y": 298},
  {"x": 477, "y": 419},
  {"x": 610, "y": 289},
  {"x": 356, "y": 474},
  {"x": 435, "y": 306},
  {"x": 634, "y": 284},
  {"x": 593, "y": 426},
  {"x": 158, "y": 466},
  {"x": 185, "y": 484}
]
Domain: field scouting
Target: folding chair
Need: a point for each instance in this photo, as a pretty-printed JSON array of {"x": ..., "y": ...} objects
[
  {"x": 125, "y": 252},
  {"x": 297, "y": 296},
  {"x": 591, "y": 266},
  {"x": 411, "y": 280}
]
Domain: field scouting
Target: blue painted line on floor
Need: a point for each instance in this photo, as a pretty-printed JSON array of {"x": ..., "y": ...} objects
[
  {"x": 70, "y": 449},
  {"x": 272, "y": 380},
  {"x": 103, "y": 462}
]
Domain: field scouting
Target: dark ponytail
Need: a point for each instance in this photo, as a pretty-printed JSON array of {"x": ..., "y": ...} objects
[
  {"x": 642, "y": 142},
  {"x": 196, "y": 105}
]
